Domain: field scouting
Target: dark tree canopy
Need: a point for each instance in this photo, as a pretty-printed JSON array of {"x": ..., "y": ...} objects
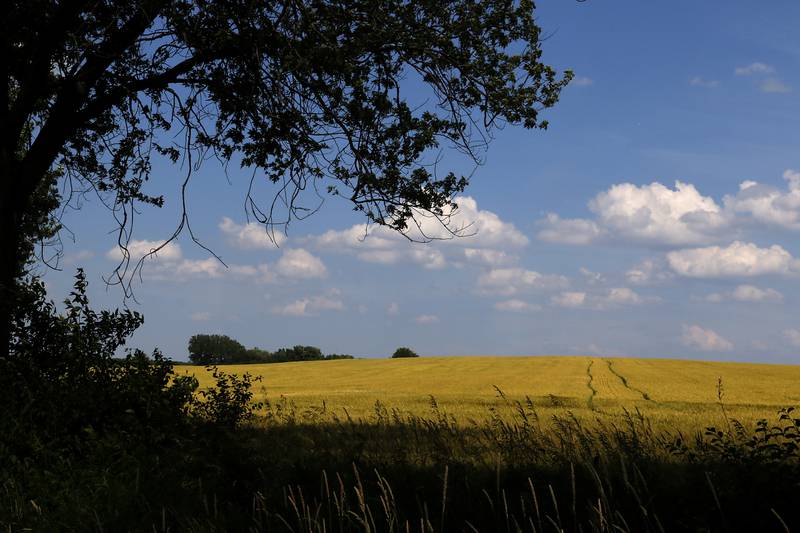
[
  {"x": 304, "y": 94},
  {"x": 215, "y": 349},
  {"x": 404, "y": 352}
]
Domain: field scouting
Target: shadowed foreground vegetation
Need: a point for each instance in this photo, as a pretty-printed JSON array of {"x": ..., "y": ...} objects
[
  {"x": 311, "y": 470},
  {"x": 93, "y": 443}
]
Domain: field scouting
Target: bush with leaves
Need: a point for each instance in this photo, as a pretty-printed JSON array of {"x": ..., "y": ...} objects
[
  {"x": 229, "y": 403},
  {"x": 62, "y": 378}
]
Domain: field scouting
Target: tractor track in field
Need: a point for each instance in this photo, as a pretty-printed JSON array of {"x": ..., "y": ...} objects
[
  {"x": 624, "y": 380},
  {"x": 590, "y": 385}
]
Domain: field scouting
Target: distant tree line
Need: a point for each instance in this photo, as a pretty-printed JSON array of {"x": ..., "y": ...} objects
[{"x": 220, "y": 349}]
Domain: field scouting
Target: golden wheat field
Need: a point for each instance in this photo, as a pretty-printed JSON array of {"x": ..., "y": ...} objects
[{"x": 670, "y": 393}]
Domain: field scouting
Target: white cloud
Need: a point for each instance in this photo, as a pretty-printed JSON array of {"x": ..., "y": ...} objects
[
  {"x": 623, "y": 296},
  {"x": 736, "y": 260},
  {"x": 137, "y": 249},
  {"x": 582, "y": 81},
  {"x": 769, "y": 205},
  {"x": 425, "y": 256},
  {"x": 793, "y": 336},
  {"x": 200, "y": 316},
  {"x": 300, "y": 264},
  {"x": 482, "y": 238},
  {"x": 569, "y": 299},
  {"x": 774, "y": 85},
  {"x": 490, "y": 258},
  {"x": 168, "y": 264},
  {"x": 426, "y": 319},
  {"x": 592, "y": 278},
  {"x": 746, "y": 293},
  {"x": 516, "y": 306},
  {"x": 611, "y": 298},
  {"x": 754, "y": 68},
  {"x": 699, "y": 81},
  {"x": 749, "y": 293},
  {"x": 657, "y": 214},
  {"x": 705, "y": 339},
  {"x": 577, "y": 231},
  {"x": 251, "y": 236},
  {"x": 311, "y": 306},
  {"x": 393, "y": 309},
  {"x": 508, "y": 281},
  {"x": 647, "y": 272},
  {"x": 651, "y": 214}
]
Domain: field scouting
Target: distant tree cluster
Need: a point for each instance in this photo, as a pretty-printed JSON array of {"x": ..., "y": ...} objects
[
  {"x": 404, "y": 352},
  {"x": 220, "y": 349}
]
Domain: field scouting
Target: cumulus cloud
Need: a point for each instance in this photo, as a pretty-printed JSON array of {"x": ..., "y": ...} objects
[
  {"x": 425, "y": 256},
  {"x": 706, "y": 340},
  {"x": 168, "y": 264},
  {"x": 657, "y": 214},
  {"x": 516, "y": 306},
  {"x": 623, "y": 296},
  {"x": 300, "y": 264},
  {"x": 490, "y": 258},
  {"x": 611, "y": 298},
  {"x": 200, "y": 316},
  {"x": 426, "y": 319},
  {"x": 749, "y": 293},
  {"x": 648, "y": 272},
  {"x": 754, "y": 68},
  {"x": 569, "y": 299},
  {"x": 481, "y": 238},
  {"x": 251, "y": 236},
  {"x": 746, "y": 293},
  {"x": 154, "y": 250},
  {"x": 508, "y": 281},
  {"x": 739, "y": 259},
  {"x": 650, "y": 214},
  {"x": 311, "y": 306},
  {"x": 576, "y": 231},
  {"x": 767, "y": 204}
]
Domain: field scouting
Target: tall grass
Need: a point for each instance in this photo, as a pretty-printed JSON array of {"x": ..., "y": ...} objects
[{"x": 314, "y": 470}]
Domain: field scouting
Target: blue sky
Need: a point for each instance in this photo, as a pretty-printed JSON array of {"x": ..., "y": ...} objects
[{"x": 658, "y": 216}]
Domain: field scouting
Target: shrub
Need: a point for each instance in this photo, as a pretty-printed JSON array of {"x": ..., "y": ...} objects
[{"x": 404, "y": 352}]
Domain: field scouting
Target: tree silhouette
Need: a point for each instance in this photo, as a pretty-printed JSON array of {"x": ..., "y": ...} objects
[{"x": 305, "y": 94}]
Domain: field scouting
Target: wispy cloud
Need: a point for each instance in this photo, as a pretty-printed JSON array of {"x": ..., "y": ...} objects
[
  {"x": 582, "y": 81},
  {"x": 754, "y": 68},
  {"x": 699, "y": 81},
  {"x": 774, "y": 85}
]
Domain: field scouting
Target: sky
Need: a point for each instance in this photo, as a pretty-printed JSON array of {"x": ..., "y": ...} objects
[{"x": 657, "y": 216}]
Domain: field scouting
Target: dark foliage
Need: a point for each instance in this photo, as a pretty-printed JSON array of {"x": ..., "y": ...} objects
[
  {"x": 81, "y": 428},
  {"x": 216, "y": 349},
  {"x": 221, "y": 349},
  {"x": 404, "y": 352},
  {"x": 307, "y": 95}
]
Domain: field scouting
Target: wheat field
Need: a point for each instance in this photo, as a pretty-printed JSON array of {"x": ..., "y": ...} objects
[{"x": 673, "y": 394}]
